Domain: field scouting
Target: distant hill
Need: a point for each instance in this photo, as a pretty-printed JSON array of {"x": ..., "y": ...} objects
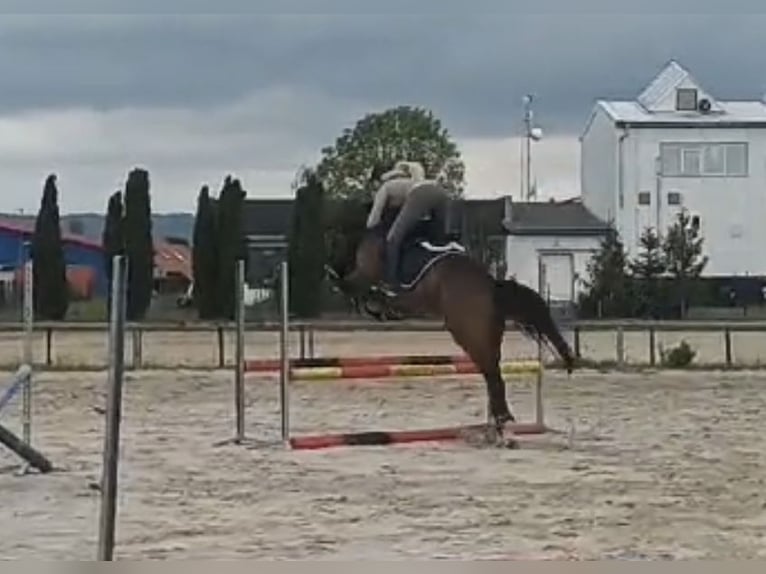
[{"x": 90, "y": 225}]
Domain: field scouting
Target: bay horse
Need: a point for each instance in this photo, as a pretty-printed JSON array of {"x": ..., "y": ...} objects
[{"x": 473, "y": 304}]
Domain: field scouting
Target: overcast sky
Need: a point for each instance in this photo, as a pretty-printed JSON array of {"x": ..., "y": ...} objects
[{"x": 193, "y": 97}]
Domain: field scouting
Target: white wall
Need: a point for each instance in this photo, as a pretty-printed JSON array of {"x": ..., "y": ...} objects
[
  {"x": 523, "y": 252},
  {"x": 598, "y": 166},
  {"x": 732, "y": 210}
]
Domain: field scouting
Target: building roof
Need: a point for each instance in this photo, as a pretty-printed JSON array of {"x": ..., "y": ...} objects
[
  {"x": 169, "y": 257},
  {"x": 652, "y": 107},
  {"x": 485, "y": 214},
  {"x": 28, "y": 230},
  {"x": 272, "y": 217},
  {"x": 172, "y": 259},
  {"x": 733, "y": 112},
  {"x": 554, "y": 218},
  {"x": 267, "y": 217},
  {"x": 670, "y": 77}
]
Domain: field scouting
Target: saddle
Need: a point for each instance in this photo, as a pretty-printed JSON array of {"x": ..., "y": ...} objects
[{"x": 420, "y": 250}]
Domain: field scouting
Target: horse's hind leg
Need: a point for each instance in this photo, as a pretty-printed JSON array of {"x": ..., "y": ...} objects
[
  {"x": 481, "y": 337},
  {"x": 502, "y": 416}
]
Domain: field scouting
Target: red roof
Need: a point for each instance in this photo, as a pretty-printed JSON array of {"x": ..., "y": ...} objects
[
  {"x": 169, "y": 258},
  {"x": 172, "y": 259},
  {"x": 78, "y": 240}
]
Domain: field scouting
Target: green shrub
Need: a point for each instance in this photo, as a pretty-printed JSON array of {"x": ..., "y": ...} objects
[{"x": 677, "y": 357}]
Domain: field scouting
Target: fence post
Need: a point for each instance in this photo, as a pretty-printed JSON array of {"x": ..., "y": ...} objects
[
  {"x": 221, "y": 358},
  {"x": 652, "y": 345},
  {"x": 138, "y": 352},
  {"x": 727, "y": 344},
  {"x": 49, "y": 346},
  {"x": 311, "y": 341},
  {"x": 620, "y": 346}
]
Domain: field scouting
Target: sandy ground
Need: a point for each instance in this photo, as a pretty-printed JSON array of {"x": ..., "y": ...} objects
[{"x": 656, "y": 465}]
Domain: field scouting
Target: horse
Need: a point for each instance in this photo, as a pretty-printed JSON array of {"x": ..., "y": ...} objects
[{"x": 451, "y": 285}]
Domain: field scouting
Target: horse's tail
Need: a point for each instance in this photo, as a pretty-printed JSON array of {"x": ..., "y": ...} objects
[{"x": 530, "y": 312}]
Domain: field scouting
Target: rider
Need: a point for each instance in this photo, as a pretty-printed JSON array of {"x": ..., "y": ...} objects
[{"x": 417, "y": 197}]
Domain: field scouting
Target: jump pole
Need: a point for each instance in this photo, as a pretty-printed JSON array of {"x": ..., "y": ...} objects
[
  {"x": 17, "y": 382},
  {"x": 23, "y": 449},
  {"x": 22, "y": 380},
  {"x": 111, "y": 452},
  {"x": 284, "y": 351},
  {"x": 539, "y": 412},
  {"x": 28, "y": 327},
  {"x": 239, "y": 380},
  {"x": 240, "y": 367},
  {"x": 405, "y": 370},
  {"x": 32, "y": 456},
  {"x": 267, "y": 365},
  {"x": 369, "y": 438}
]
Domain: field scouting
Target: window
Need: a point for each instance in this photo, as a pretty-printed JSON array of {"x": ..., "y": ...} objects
[
  {"x": 736, "y": 159},
  {"x": 686, "y": 99},
  {"x": 691, "y": 161},
  {"x": 670, "y": 159},
  {"x": 703, "y": 159},
  {"x": 674, "y": 198},
  {"x": 714, "y": 159},
  {"x": 644, "y": 198}
]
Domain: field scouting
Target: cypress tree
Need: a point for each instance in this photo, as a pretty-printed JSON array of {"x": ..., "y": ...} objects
[
  {"x": 684, "y": 255},
  {"x": 230, "y": 243},
  {"x": 112, "y": 238},
  {"x": 647, "y": 270},
  {"x": 204, "y": 258},
  {"x": 49, "y": 287},
  {"x": 139, "y": 247},
  {"x": 608, "y": 286},
  {"x": 306, "y": 248}
]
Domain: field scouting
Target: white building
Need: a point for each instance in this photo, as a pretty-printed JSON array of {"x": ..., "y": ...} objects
[
  {"x": 678, "y": 146},
  {"x": 552, "y": 242}
]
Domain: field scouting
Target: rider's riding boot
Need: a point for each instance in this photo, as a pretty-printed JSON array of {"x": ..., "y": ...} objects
[{"x": 392, "y": 263}]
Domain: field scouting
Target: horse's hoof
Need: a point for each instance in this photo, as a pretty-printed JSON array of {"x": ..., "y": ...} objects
[
  {"x": 505, "y": 438},
  {"x": 511, "y": 443}
]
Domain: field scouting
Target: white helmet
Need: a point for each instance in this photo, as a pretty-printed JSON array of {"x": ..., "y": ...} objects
[{"x": 414, "y": 169}]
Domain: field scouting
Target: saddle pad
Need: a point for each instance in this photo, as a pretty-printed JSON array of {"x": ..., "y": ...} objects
[{"x": 419, "y": 256}]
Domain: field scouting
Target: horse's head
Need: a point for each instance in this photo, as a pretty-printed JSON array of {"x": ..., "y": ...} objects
[
  {"x": 358, "y": 263},
  {"x": 370, "y": 252}
]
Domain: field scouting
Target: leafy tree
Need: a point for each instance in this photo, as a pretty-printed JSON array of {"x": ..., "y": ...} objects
[
  {"x": 402, "y": 133},
  {"x": 205, "y": 258},
  {"x": 49, "y": 286},
  {"x": 306, "y": 249},
  {"x": 231, "y": 244},
  {"x": 139, "y": 246},
  {"x": 647, "y": 270},
  {"x": 607, "y": 289},
  {"x": 684, "y": 255},
  {"x": 112, "y": 238}
]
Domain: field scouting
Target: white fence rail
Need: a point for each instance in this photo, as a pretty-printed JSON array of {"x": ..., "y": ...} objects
[{"x": 212, "y": 345}]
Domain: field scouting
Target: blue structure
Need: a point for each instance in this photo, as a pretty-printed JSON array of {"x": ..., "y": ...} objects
[{"x": 78, "y": 252}]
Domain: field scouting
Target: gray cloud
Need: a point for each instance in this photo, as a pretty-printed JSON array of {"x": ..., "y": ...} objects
[
  {"x": 473, "y": 69},
  {"x": 260, "y": 92}
]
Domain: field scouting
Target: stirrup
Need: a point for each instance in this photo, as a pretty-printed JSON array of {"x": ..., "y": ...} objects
[{"x": 386, "y": 289}]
